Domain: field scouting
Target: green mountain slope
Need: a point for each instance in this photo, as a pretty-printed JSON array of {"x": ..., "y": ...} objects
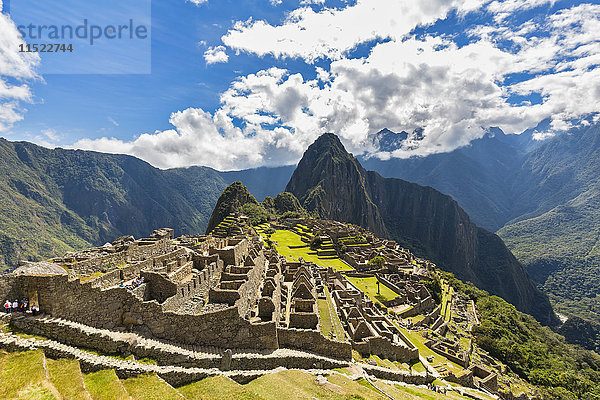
[
  {"x": 557, "y": 235},
  {"x": 331, "y": 182},
  {"x": 52, "y": 201}
]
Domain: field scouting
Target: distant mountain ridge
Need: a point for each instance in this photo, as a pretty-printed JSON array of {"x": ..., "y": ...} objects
[
  {"x": 328, "y": 180},
  {"x": 541, "y": 196},
  {"x": 57, "y": 200}
]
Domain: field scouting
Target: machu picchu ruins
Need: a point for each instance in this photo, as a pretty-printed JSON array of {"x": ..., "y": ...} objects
[{"x": 244, "y": 301}]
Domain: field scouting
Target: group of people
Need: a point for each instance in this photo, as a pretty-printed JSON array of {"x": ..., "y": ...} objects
[
  {"x": 436, "y": 388},
  {"x": 19, "y": 306},
  {"x": 134, "y": 283}
]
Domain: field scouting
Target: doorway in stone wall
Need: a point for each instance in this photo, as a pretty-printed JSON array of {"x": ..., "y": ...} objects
[{"x": 33, "y": 299}]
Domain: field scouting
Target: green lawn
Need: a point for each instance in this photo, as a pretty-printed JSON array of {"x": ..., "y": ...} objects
[
  {"x": 369, "y": 287},
  {"x": 66, "y": 377},
  {"x": 293, "y": 385},
  {"x": 150, "y": 387},
  {"x": 419, "y": 342},
  {"x": 447, "y": 294},
  {"x": 23, "y": 376},
  {"x": 329, "y": 321},
  {"x": 285, "y": 238},
  {"x": 105, "y": 385},
  {"x": 415, "y": 392},
  {"x": 217, "y": 388}
]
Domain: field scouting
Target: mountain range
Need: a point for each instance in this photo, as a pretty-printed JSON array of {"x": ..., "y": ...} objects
[
  {"x": 332, "y": 183},
  {"x": 541, "y": 196},
  {"x": 57, "y": 200}
]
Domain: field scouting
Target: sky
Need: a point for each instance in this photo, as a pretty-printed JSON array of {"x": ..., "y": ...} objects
[{"x": 241, "y": 84}]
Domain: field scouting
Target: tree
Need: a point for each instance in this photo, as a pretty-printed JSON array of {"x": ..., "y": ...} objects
[
  {"x": 377, "y": 262},
  {"x": 315, "y": 243}
]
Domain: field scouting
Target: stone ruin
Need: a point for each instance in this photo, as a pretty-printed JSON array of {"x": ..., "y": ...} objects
[
  {"x": 229, "y": 293},
  {"x": 224, "y": 293}
]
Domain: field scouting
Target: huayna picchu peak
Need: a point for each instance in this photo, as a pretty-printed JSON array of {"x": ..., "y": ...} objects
[{"x": 331, "y": 182}]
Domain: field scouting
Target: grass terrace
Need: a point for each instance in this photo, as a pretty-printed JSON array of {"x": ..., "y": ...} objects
[
  {"x": 105, "y": 385},
  {"x": 330, "y": 323},
  {"x": 369, "y": 287},
  {"x": 438, "y": 360},
  {"x": 284, "y": 239},
  {"x": 447, "y": 294}
]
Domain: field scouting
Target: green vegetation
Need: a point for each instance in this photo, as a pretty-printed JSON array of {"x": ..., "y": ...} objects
[
  {"x": 66, "y": 377},
  {"x": 217, "y": 388},
  {"x": 150, "y": 387},
  {"x": 376, "y": 292},
  {"x": 435, "y": 289},
  {"x": 376, "y": 262},
  {"x": 23, "y": 376},
  {"x": 54, "y": 201},
  {"x": 292, "y": 385},
  {"x": 534, "y": 352},
  {"x": 414, "y": 393},
  {"x": 315, "y": 243},
  {"x": 330, "y": 324},
  {"x": 105, "y": 385},
  {"x": 285, "y": 239},
  {"x": 332, "y": 183},
  {"x": 255, "y": 212},
  {"x": 233, "y": 198}
]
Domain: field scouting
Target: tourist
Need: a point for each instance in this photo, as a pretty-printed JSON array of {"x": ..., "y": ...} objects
[
  {"x": 15, "y": 305},
  {"x": 7, "y": 306},
  {"x": 34, "y": 310},
  {"x": 23, "y": 305}
]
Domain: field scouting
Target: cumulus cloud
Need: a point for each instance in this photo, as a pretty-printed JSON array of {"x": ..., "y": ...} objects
[
  {"x": 197, "y": 2},
  {"x": 453, "y": 91},
  {"x": 17, "y": 70},
  {"x": 197, "y": 138},
  {"x": 330, "y": 33},
  {"x": 216, "y": 55}
]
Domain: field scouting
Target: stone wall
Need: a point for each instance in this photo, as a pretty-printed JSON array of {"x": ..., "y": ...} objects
[
  {"x": 8, "y": 289},
  {"x": 160, "y": 287},
  {"x": 248, "y": 291},
  {"x": 118, "y": 308},
  {"x": 233, "y": 253},
  {"x": 133, "y": 253},
  {"x": 313, "y": 341},
  {"x": 383, "y": 348}
]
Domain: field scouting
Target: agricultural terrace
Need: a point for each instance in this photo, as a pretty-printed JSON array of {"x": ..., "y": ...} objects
[
  {"x": 447, "y": 294},
  {"x": 290, "y": 245},
  {"x": 369, "y": 287},
  {"x": 330, "y": 324},
  {"x": 439, "y": 362}
]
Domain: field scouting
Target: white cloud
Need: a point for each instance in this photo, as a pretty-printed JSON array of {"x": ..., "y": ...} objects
[
  {"x": 198, "y": 138},
  {"x": 16, "y": 71},
  {"x": 197, "y": 2},
  {"x": 330, "y": 33},
  {"x": 503, "y": 9},
  {"x": 454, "y": 92},
  {"x": 216, "y": 55}
]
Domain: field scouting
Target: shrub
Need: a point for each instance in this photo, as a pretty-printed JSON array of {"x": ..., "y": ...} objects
[{"x": 315, "y": 243}]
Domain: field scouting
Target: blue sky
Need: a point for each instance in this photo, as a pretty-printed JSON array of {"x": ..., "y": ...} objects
[{"x": 237, "y": 84}]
